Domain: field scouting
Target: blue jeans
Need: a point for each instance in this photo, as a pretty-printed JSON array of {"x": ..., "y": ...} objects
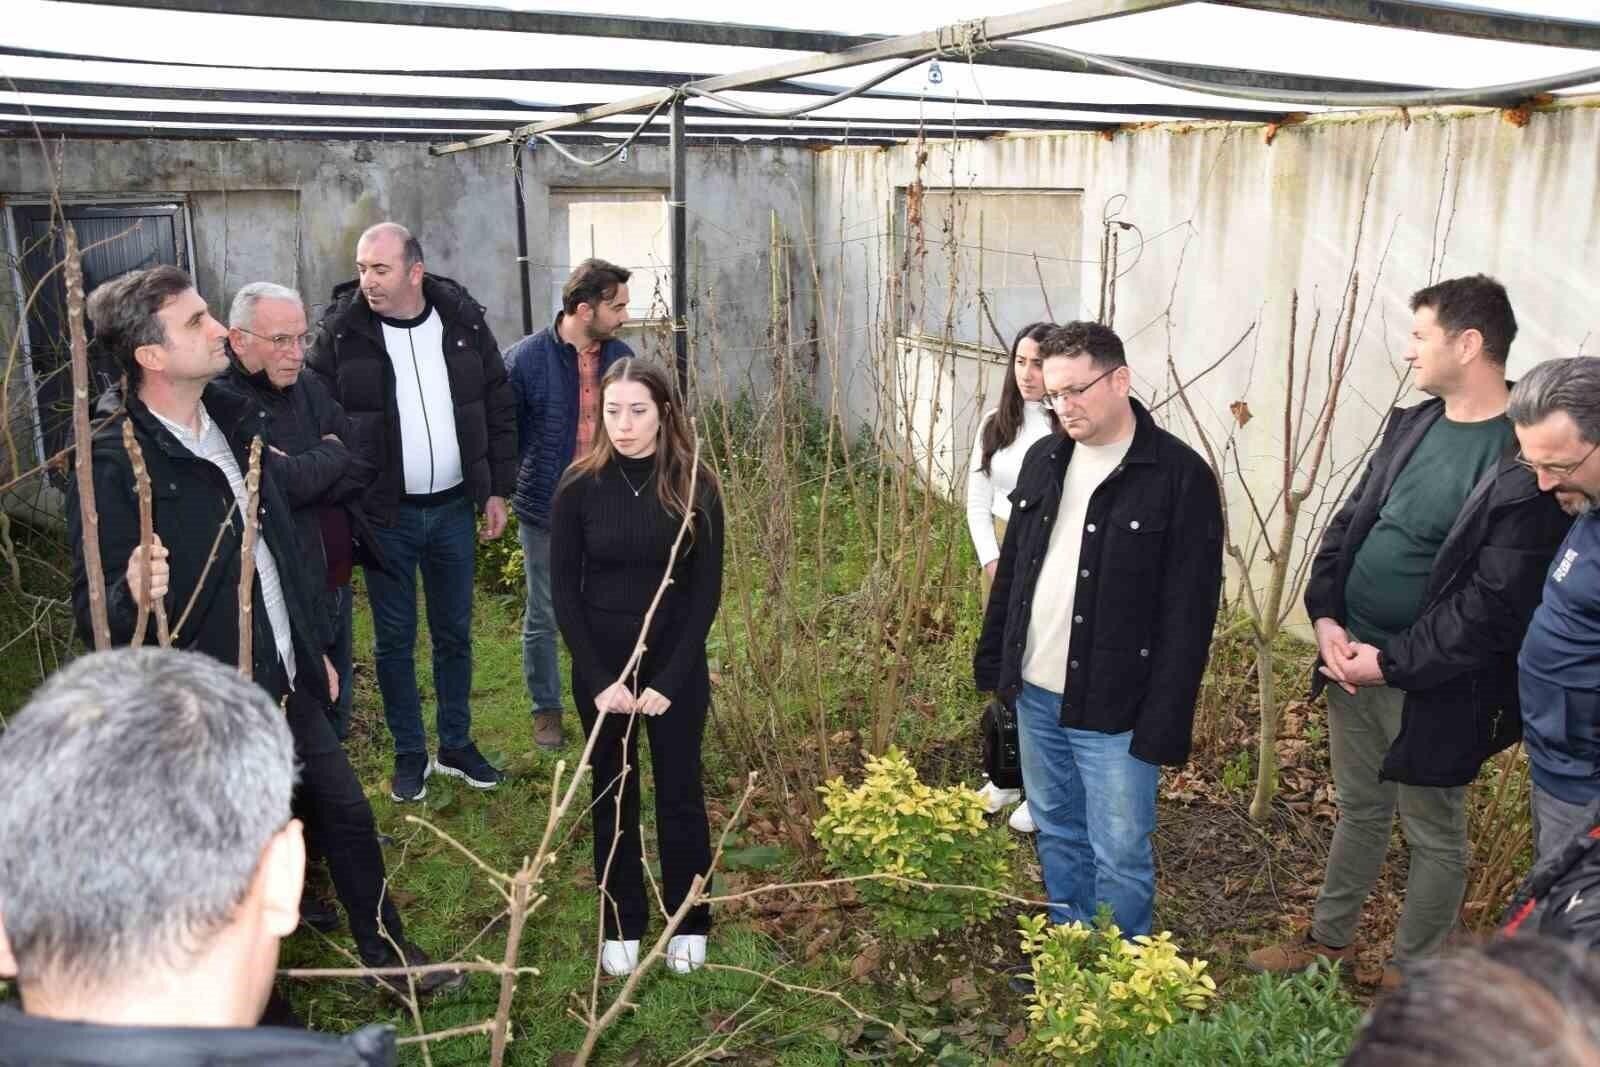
[
  {"x": 540, "y": 668},
  {"x": 1095, "y": 806},
  {"x": 341, "y": 653},
  {"x": 440, "y": 540}
]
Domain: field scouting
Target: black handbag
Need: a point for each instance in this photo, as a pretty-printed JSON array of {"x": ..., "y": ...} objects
[{"x": 1002, "y": 760}]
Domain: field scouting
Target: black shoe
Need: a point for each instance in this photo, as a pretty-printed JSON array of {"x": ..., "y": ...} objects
[
  {"x": 1019, "y": 979},
  {"x": 427, "y": 984},
  {"x": 411, "y": 772},
  {"x": 469, "y": 765},
  {"x": 319, "y": 914}
]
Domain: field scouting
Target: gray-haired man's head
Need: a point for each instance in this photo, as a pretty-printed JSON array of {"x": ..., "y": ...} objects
[
  {"x": 267, "y": 331},
  {"x": 145, "y": 837},
  {"x": 1556, "y": 411}
]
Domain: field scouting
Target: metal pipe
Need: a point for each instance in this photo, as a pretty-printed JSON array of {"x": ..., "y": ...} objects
[
  {"x": 517, "y": 148},
  {"x": 680, "y": 247}
]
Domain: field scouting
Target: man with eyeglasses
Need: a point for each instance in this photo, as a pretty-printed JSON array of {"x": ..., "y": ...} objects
[
  {"x": 311, "y": 451},
  {"x": 1556, "y": 411},
  {"x": 1420, "y": 594},
  {"x": 1099, "y": 624}
]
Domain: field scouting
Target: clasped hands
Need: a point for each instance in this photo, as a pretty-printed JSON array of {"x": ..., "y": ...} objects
[
  {"x": 618, "y": 699},
  {"x": 1345, "y": 661}
]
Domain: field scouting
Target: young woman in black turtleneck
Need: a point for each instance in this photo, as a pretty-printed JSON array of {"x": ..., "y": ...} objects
[{"x": 612, "y": 525}]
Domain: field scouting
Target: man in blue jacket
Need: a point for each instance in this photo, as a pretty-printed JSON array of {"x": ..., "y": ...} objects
[
  {"x": 1556, "y": 411},
  {"x": 555, "y": 375}
]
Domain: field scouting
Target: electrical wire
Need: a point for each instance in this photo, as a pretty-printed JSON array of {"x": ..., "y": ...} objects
[
  {"x": 615, "y": 152},
  {"x": 1483, "y": 96},
  {"x": 794, "y": 113}
]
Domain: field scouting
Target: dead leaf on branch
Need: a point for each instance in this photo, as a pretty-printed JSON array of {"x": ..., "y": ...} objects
[{"x": 1241, "y": 411}]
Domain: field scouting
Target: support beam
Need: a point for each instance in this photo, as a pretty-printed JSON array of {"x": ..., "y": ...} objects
[
  {"x": 995, "y": 27},
  {"x": 522, "y": 237},
  {"x": 1441, "y": 16},
  {"x": 669, "y": 78},
  {"x": 680, "y": 248}
]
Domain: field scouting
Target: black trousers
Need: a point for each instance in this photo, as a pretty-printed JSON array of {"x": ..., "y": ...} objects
[
  {"x": 682, "y": 830},
  {"x": 339, "y": 825}
]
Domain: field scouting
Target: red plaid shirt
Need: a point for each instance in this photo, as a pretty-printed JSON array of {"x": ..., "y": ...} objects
[{"x": 588, "y": 397}]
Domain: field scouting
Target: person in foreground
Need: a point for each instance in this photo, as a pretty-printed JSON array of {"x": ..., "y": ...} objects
[
  {"x": 1005, "y": 433},
  {"x": 613, "y": 524},
  {"x": 1520, "y": 1000},
  {"x": 1556, "y": 411},
  {"x": 1420, "y": 593},
  {"x": 1099, "y": 625},
  {"x": 142, "y": 899}
]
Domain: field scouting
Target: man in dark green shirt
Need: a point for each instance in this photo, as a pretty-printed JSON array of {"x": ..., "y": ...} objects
[{"x": 1420, "y": 593}]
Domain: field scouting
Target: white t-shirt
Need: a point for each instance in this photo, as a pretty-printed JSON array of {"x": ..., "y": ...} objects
[
  {"x": 428, "y": 445},
  {"x": 989, "y": 495},
  {"x": 1044, "y": 660}
]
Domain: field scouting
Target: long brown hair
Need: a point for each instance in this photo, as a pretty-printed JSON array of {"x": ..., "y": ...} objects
[
  {"x": 674, "y": 444},
  {"x": 1002, "y": 429}
]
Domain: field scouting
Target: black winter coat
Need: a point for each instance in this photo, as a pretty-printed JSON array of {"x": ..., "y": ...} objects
[
  {"x": 313, "y": 472},
  {"x": 30, "y": 1041},
  {"x": 190, "y": 497},
  {"x": 1146, "y": 599},
  {"x": 1457, "y": 664},
  {"x": 350, "y": 356}
]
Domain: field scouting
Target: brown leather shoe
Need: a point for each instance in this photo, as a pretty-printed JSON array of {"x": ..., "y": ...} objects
[
  {"x": 1391, "y": 980},
  {"x": 547, "y": 732},
  {"x": 1297, "y": 955}
]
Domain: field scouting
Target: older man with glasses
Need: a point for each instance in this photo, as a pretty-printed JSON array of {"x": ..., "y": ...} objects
[
  {"x": 312, "y": 452},
  {"x": 1556, "y": 411}
]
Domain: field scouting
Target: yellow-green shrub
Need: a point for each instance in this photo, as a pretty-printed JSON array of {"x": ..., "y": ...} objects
[
  {"x": 1094, "y": 992},
  {"x": 892, "y": 823}
]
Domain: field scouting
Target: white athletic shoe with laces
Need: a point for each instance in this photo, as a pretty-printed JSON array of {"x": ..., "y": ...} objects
[
  {"x": 618, "y": 958},
  {"x": 1022, "y": 820},
  {"x": 686, "y": 953},
  {"x": 994, "y": 798}
]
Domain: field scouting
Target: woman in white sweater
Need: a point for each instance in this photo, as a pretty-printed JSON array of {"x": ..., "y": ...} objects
[{"x": 1004, "y": 436}]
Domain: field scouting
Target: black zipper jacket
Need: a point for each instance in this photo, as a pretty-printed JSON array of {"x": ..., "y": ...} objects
[
  {"x": 29, "y": 1041},
  {"x": 1457, "y": 664},
  {"x": 190, "y": 499},
  {"x": 1146, "y": 600},
  {"x": 350, "y": 356}
]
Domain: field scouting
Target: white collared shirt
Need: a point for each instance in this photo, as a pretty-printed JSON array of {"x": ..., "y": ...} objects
[{"x": 212, "y": 446}]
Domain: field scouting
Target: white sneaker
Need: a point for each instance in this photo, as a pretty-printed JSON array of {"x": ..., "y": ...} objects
[
  {"x": 618, "y": 958},
  {"x": 686, "y": 952},
  {"x": 1022, "y": 820},
  {"x": 994, "y": 798}
]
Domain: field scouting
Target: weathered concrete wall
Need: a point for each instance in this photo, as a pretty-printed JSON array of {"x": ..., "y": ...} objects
[
  {"x": 1233, "y": 223},
  {"x": 290, "y": 211}
]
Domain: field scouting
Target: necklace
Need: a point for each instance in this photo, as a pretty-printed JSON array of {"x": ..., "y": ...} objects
[{"x": 629, "y": 481}]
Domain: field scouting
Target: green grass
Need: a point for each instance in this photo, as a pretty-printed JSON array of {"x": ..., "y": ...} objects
[{"x": 446, "y": 901}]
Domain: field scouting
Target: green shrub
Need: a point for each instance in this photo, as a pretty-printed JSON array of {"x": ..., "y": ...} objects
[
  {"x": 894, "y": 824},
  {"x": 1094, "y": 992},
  {"x": 500, "y": 562},
  {"x": 1306, "y": 1020}
]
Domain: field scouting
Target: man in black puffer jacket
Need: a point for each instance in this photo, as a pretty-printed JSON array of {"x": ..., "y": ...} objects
[
  {"x": 312, "y": 455},
  {"x": 412, "y": 360}
]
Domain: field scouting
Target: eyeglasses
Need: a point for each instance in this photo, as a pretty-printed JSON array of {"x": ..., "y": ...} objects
[
  {"x": 1557, "y": 470},
  {"x": 1071, "y": 392},
  {"x": 282, "y": 342}
]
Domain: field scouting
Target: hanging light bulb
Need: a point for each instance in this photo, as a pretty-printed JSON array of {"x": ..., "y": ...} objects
[{"x": 935, "y": 75}]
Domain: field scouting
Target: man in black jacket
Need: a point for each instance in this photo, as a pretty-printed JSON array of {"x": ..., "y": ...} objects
[
  {"x": 142, "y": 900},
  {"x": 195, "y": 440},
  {"x": 1420, "y": 593},
  {"x": 412, "y": 360},
  {"x": 310, "y": 453},
  {"x": 1099, "y": 624}
]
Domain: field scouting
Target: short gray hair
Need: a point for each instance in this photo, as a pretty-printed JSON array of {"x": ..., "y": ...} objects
[
  {"x": 1570, "y": 384},
  {"x": 242, "y": 313},
  {"x": 142, "y": 786},
  {"x": 410, "y": 247}
]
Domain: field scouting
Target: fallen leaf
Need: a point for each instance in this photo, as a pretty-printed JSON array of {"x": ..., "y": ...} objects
[
  {"x": 963, "y": 990},
  {"x": 866, "y": 962}
]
